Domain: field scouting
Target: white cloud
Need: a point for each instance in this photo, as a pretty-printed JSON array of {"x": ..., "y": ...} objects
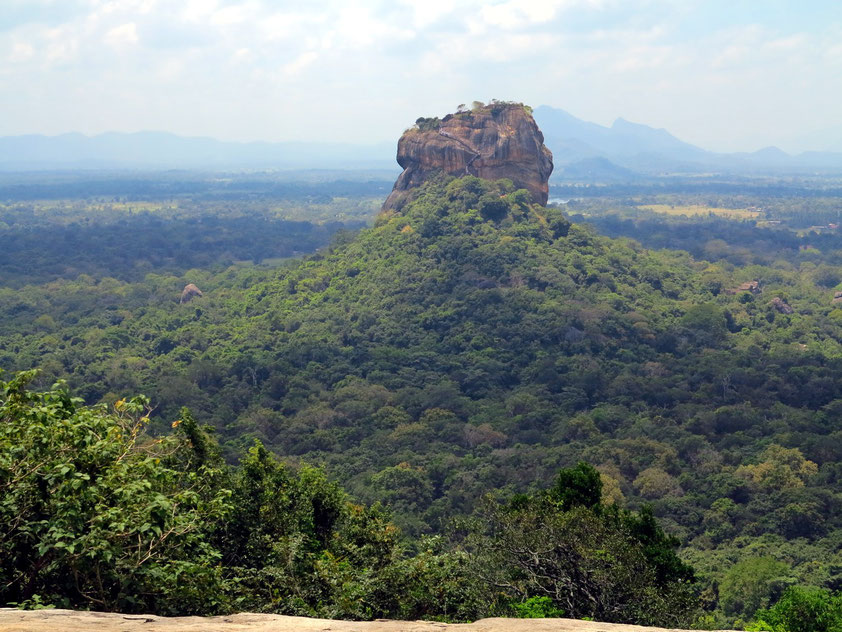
[
  {"x": 122, "y": 36},
  {"x": 833, "y": 54},
  {"x": 299, "y": 64},
  {"x": 170, "y": 70},
  {"x": 197, "y": 10},
  {"x": 787, "y": 44},
  {"x": 21, "y": 52},
  {"x": 242, "y": 56},
  {"x": 637, "y": 58},
  {"x": 511, "y": 47},
  {"x": 428, "y": 12},
  {"x": 515, "y": 14},
  {"x": 61, "y": 46},
  {"x": 357, "y": 29},
  {"x": 230, "y": 15},
  {"x": 645, "y": 60}
]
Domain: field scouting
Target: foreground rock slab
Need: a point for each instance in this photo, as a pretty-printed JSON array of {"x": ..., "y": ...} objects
[{"x": 12, "y": 620}]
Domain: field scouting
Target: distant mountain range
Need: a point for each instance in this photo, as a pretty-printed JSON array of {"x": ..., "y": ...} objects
[
  {"x": 627, "y": 149},
  {"x": 582, "y": 151},
  {"x": 162, "y": 150}
]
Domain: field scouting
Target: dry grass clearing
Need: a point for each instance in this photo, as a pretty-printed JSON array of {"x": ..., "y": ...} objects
[{"x": 695, "y": 210}]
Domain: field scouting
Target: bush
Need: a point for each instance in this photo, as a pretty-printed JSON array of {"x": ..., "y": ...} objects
[
  {"x": 751, "y": 584},
  {"x": 537, "y": 608},
  {"x": 97, "y": 514},
  {"x": 802, "y": 610}
]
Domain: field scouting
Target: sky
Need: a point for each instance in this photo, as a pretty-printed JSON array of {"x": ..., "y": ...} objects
[{"x": 733, "y": 75}]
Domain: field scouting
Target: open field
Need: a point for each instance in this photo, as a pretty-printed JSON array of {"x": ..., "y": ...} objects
[{"x": 696, "y": 210}]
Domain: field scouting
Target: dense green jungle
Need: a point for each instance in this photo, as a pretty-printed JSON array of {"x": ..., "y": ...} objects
[{"x": 624, "y": 405}]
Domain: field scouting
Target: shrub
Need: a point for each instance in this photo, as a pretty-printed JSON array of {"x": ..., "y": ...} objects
[
  {"x": 537, "y": 608},
  {"x": 97, "y": 514},
  {"x": 802, "y": 609}
]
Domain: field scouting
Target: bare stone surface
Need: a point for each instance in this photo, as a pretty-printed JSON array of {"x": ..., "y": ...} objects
[
  {"x": 12, "y": 620},
  {"x": 781, "y": 306},
  {"x": 748, "y": 286},
  {"x": 500, "y": 140},
  {"x": 189, "y": 292}
]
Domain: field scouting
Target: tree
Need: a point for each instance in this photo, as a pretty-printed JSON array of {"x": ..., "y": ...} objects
[
  {"x": 752, "y": 584},
  {"x": 779, "y": 468},
  {"x": 589, "y": 560},
  {"x": 706, "y": 323},
  {"x": 579, "y": 486},
  {"x": 93, "y": 513},
  {"x": 802, "y": 609}
]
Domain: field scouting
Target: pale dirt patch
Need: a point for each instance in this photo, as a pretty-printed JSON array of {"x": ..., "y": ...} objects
[{"x": 12, "y": 620}]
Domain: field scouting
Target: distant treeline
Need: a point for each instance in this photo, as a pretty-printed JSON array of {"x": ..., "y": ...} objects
[
  {"x": 167, "y": 188},
  {"x": 133, "y": 246},
  {"x": 670, "y": 186}
]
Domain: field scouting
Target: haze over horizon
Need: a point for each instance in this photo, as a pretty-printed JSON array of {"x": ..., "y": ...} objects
[{"x": 722, "y": 76}]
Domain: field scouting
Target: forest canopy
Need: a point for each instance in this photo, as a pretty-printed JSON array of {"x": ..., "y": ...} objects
[
  {"x": 476, "y": 342},
  {"x": 99, "y": 514}
]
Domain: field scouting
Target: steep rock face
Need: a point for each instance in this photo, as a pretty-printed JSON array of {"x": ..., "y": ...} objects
[{"x": 490, "y": 142}]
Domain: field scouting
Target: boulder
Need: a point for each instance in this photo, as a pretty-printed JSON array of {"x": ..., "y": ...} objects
[
  {"x": 748, "y": 286},
  {"x": 189, "y": 292},
  {"x": 781, "y": 306}
]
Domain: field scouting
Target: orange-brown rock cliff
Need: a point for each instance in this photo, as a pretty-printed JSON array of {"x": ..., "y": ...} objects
[{"x": 500, "y": 140}]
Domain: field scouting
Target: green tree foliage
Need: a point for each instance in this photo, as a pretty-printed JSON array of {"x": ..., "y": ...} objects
[
  {"x": 579, "y": 486},
  {"x": 93, "y": 515},
  {"x": 537, "y": 608},
  {"x": 801, "y": 610},
  {"x": 583, "y": 558},
  {"x": 100, "y": 515},
  {"x": 472, "y": 342},
  {"x": 128, "y": 246},
  {"x": 293, "y": 544},
  {"x": 427, "y": 124},
  {"x": 753, "y": 583},
  {"x": 706, "y": 323}
]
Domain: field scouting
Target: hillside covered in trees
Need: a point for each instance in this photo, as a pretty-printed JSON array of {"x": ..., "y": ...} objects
[{"x": 475, "y": 342}]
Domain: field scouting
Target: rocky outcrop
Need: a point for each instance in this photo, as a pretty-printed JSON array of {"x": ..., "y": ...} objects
[
  {"x": 781, "y": 306},
  {"x": 189, "y": 292},
  {"x": 749, "y": 286},
  {"x": 500, "y": 140}
]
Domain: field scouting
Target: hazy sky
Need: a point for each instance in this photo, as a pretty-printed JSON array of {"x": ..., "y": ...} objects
[{"x": 726, "y": 75}]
